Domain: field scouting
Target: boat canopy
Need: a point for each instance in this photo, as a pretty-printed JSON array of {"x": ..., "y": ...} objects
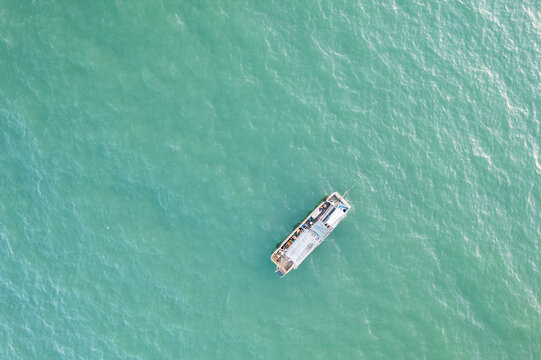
[
  {"x": 302, "y": 247},
  {"x": 320, "y": 229},
  {"x": 307, "y": 241},
  {"x": 336, "y": 217}
]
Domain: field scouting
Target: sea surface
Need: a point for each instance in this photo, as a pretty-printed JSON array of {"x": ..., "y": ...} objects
[{"x": 153, "y": 152}]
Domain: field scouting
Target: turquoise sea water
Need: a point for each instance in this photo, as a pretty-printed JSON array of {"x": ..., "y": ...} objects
[{"x": 152, "y": 153}]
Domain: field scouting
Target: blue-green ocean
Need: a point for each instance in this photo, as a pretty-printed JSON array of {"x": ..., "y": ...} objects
[{"x": 153, "y": 152}]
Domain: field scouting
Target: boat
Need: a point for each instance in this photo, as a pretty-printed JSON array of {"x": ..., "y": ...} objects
[{"x": 310, "y": 233}]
